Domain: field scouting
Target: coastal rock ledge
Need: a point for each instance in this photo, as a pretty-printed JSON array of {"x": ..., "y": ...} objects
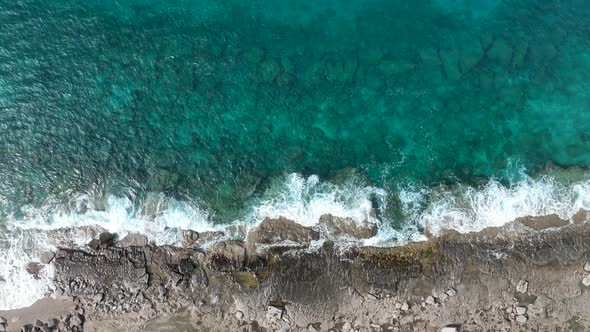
[{"x": 499, "y": 279}]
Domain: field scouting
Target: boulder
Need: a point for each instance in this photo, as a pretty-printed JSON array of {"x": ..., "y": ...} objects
[
  {"x": 522, "y": 286},
  {"x": 189, "y": 237},
  {"x": 133, "y": 240},
  {"x": 281, "y": 229},
  {"x": 336, "y": 226},
  {"x": 539, "y": 223},
  {"x": 106, "y": 239}
]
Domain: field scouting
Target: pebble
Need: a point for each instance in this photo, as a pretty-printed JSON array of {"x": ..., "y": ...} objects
[
  {"x": 449, "y": 329},
  {"x": 451, "y": 292},
  {"x": 586, "y": 281},
  {"x": 521, "y": 310},
  {"x": 521, "y": 319},
  {"x": 522, "y": 286}
]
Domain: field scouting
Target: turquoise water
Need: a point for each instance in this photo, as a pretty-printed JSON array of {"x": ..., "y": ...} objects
[{"x": 215, "y": 102}]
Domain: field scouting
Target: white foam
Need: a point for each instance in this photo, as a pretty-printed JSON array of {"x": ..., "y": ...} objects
[
  {"x": 306, "y": 199},
  {"x": 469, "y": 209}
]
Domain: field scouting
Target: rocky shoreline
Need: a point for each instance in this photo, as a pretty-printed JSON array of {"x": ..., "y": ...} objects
[{"x": 531, "y": 274}]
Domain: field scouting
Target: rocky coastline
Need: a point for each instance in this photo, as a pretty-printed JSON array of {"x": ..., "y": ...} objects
[{"x": 531, "y": 274}]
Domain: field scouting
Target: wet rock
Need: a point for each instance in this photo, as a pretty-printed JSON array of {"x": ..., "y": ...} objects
[
  {"x": 522, "y": 286},
  {"x": 189, "y": 238},
  {"x": 133, "y": 240},
  {"x": 580, "y": 216},
  {"x": 77, "y": 269},
  {"x": 94, "y": 244},
  {"x": 46, "y": 257},
  {"x": 543, "y": 222},
  {"x": 106, "y": 239},
  {"x": 272, "y": 231},
  {"x": 34, "y": 268},
  {"x": 336, "y": 226},
  {"x": 227, "y": 255},
  {"x": 208, "y": 238}
]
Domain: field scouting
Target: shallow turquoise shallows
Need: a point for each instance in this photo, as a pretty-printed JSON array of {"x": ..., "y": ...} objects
[{"x": 212, "y": 101}]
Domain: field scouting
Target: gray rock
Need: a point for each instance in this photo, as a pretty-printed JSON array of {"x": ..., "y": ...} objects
[
  {"x": 521, "y": 310},
  {"x": 543, "y": 222},
  {"x": 449, "y": 329},
  {"x": 133, "y": 240},
  {"x": 189, "y": 237},
  {"x": 586, "y": 281},
  {"x": 587, "y": 267},
  {"x": 430, "y": 300},
  {"x": 521, "y": 319},
  {"x": 227, "y": 255},
  {"x": 336, "y": 226},
  {"x": 94, "y": 244},
  {"x": 522, "y": 286},
  {"x": 106, "y": 239},
  {"x": 34, "y": 268},
  {"x": 451, "y": 292},
  {"x": 272, "y": 231},
  {"x": 76, "y": 320},
  {"x": 46, "y": 257}
]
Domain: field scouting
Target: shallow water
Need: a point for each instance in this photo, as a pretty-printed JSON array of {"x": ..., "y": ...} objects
[{"x": 196, "y": 114}]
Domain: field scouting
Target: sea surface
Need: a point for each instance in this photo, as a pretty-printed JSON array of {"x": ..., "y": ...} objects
[{"x": 152, "y": 116}]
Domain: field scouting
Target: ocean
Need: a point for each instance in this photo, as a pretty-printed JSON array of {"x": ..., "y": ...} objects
[{"x": 156, "y": 116}]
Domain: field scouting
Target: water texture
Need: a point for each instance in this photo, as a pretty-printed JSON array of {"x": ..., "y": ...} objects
[{"x": 216, "y": 102}]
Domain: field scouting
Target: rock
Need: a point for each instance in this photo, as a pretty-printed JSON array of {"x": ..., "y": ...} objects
[
  {"x": 272, "y": 231},
  {"x": 586, "y": 281},
  {"x": 52, "y": 323},
  {"x": 522, "y": 286},
  {"x": 500, "y": 52},
  {"x": 405, "y": 306},
  {"x": 34, "y": 268},
  {"x": 451, "y": 292},
  {"x": 538, "y": 309},
  {"x": 227, "y": 255},
  {"x": 76, "y": 320},
  {"x": 254, "y": 55},
  {"x": 94, "y": 244},
  {"x": 46, "y": 257},
  {"x": 239, "y": 315},
  {"x": 521, "y": 310},
  {"x": 449, "y": 329},
  {"x": 443, "y": 297},
  {"x": 208, "y": 238},
  {"x": 587, "y": 267},
  {"x": 189, "y": 238},
  {"x": 274, "y": 314},
  {"x": 133, "y": 240},
  {"x": 39, "y": 323},
  {"x": 430, "y": 300},
  {"x": 106, "y": 239},
  {"x": 269, "y": 70},
  {"x": 521, "y": 319},
  {"x": 450, "y": 61},
  {"x": 337, "y": 226},
  {"x": 542, "y": 222},
  {"x": 471, "y": 54},
  {"x": 580, "y": 216}
]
